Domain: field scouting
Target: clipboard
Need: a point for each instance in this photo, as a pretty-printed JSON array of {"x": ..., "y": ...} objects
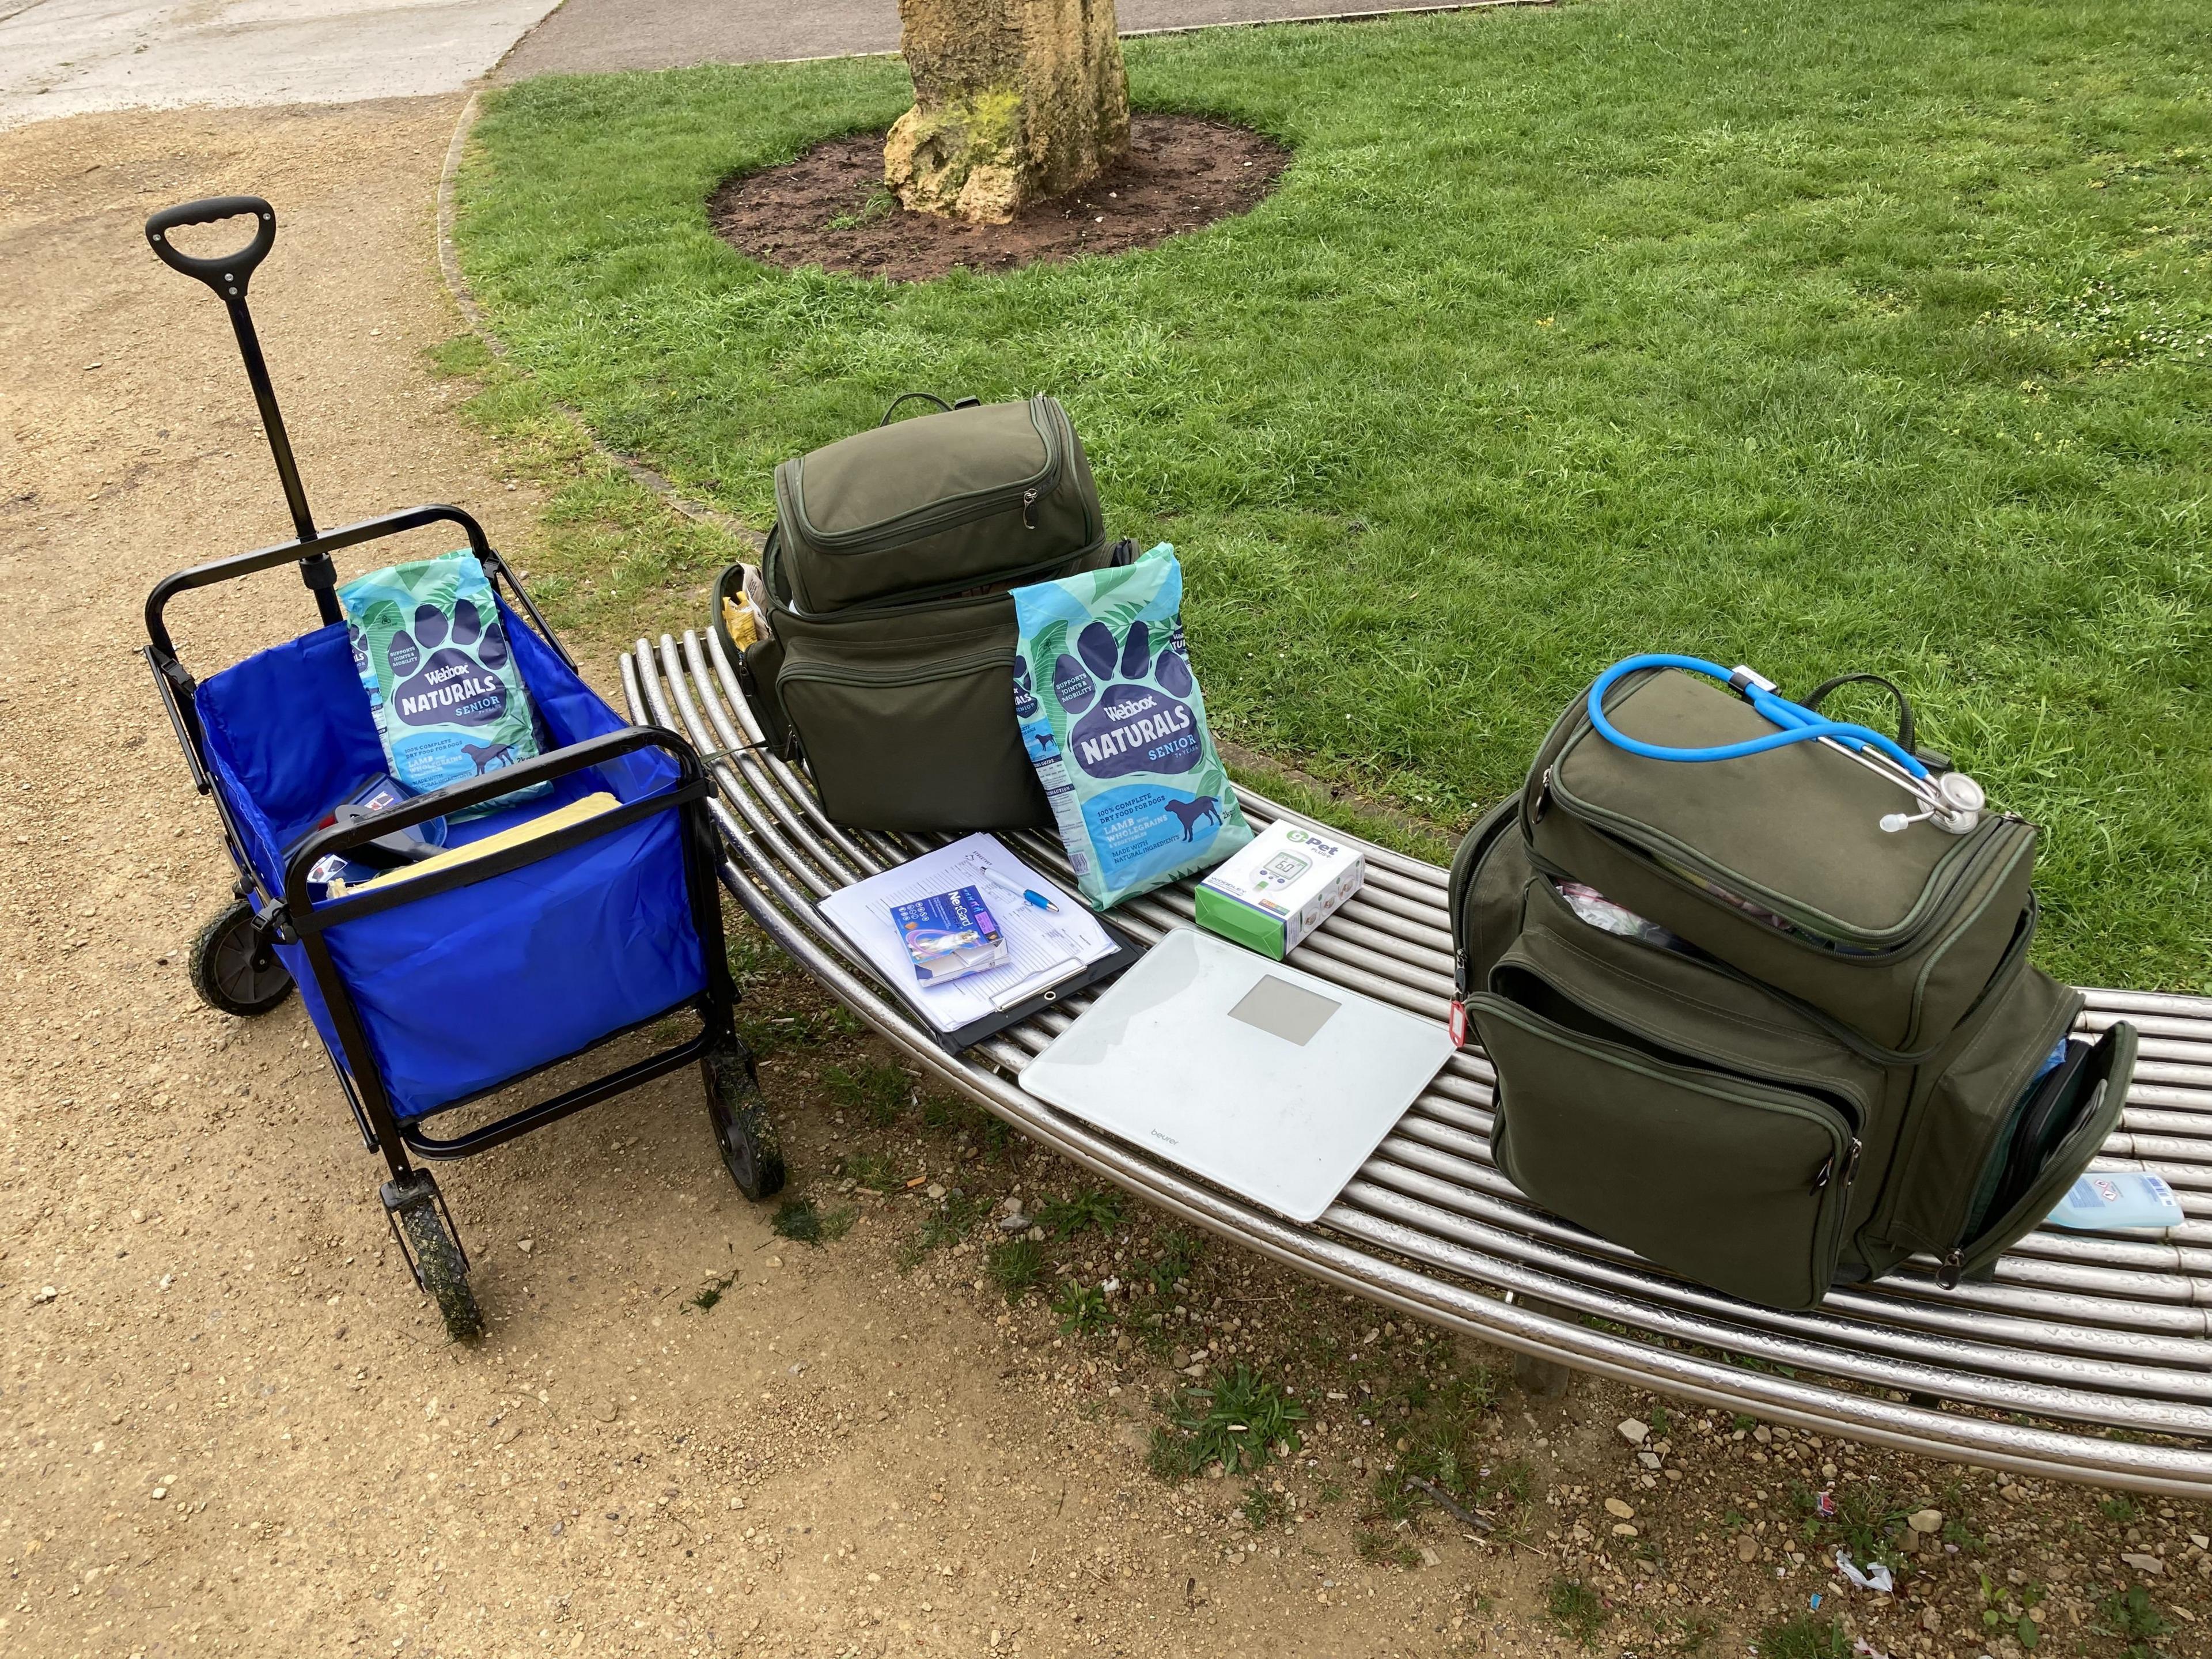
[
  {"x": 1053, "y": 958},
  {"x": 1127, "y": 949}
]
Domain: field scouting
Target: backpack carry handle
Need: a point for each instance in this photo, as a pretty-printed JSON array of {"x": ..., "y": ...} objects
[
  {"x": 229, "y": 275},
  {"x": 929, "y": 397},
  {"x": 1906, "y": 732},
  {"x": 908, "y": 396}
]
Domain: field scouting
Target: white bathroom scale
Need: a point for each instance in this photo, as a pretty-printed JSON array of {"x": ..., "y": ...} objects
[{"x": 1256, "y": 1075}]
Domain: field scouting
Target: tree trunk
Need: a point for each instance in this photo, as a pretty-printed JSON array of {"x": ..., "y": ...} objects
[{"x": 1014, "y": 102}]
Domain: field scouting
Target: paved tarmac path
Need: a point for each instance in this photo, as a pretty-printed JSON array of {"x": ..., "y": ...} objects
[
  {"x": 616, "y": 35},
  {"x": 62, "y": 58}
]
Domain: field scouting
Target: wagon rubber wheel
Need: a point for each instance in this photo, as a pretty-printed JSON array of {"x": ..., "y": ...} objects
[
  {"x": 751, "y": 1150},
  {"x": 234, "y": 967},
  {"x": 439, "y": 1268}
]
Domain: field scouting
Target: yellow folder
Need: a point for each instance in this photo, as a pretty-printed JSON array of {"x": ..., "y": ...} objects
[{"x": 576, "y": 811}]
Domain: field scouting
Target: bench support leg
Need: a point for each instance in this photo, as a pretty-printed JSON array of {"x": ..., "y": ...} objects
[{"x": 1541, "y": 1379}]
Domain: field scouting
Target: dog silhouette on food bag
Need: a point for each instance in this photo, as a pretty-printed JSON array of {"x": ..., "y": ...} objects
[
  {"x": 490, "y": 756},
  {"x": 1192, "y": 813}
]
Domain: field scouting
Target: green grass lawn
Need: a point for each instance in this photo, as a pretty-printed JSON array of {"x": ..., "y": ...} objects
[{"x": 1812, "y": 335}]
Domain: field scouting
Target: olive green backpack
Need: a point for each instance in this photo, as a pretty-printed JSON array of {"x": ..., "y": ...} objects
[
  {"x": 889, "y": 666},
  {"x": 1812, "y": 1050}
]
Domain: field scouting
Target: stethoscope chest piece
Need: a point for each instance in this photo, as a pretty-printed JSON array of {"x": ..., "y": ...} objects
[{"x": 1956, "y": 810}]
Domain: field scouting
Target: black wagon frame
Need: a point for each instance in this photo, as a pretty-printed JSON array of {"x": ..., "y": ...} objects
[{"x": 234, "y": 966}]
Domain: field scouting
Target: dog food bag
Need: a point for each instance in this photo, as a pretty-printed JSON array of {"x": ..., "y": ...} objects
[
  {"x": 1113, "y": 722},
  {"x": 449, "y": 703}
]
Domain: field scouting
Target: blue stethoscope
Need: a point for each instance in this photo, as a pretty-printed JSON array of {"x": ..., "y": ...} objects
[{"x": 1951, "y": 800}]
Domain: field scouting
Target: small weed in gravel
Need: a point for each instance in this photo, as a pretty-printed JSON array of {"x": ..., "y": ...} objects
[
  {"x": 1690, "y": 1635},
  {"x": 1378, "y": 1549},
  {"x": 1089, "y": 1208},
  {"x": 1867, "y": 1520},
  {"x": 1576, "y": 1609},
  {"x": 881, "y": 1092},
  {"x": 803, "y": 1222},
  {"x": 1263, "y": 1508},
  {"x": 754, "y": 957},
  {"x": 943, "y": 1226},
  {"x": 870, "y": 1169},
  {"x": 1239, "y": 1420},
  {"x": 1178, "y": 1256},
  {"x": 711, "y": 1292},
  {"x": 804, "y": 1028},
  {"x": 951, "y": 1220},
  {"x": 1804, "y": 1636},
  {"x": 1443, "y": 1436},
  {"x": 1080, "y": 1308},
  {"x": 971, "y": 1122},
  {"x": 797, "y": 1219},
  {"x": 2135, "y": 1618},
  {"x": 1015, "y": 1265}
]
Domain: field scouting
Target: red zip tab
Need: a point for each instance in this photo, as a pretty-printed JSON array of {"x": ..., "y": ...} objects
[{"x": 1458, "y": 1024}]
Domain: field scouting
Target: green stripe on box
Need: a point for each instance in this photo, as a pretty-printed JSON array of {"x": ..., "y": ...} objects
[{"x": 1233, "y": 919}]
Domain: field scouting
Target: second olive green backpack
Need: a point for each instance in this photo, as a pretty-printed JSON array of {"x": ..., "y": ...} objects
[
  {"x": 1743, "y": 1031},
  {"x": 888, "y": 668}
]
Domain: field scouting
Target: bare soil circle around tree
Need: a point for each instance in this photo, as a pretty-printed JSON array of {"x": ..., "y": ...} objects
[{"x": 829, "y": 207}]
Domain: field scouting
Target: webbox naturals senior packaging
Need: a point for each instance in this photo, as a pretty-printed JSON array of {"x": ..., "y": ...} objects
[{"x": 1278, "y": 888}]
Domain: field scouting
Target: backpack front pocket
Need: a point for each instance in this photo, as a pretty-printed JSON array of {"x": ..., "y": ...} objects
[
  {"x": 1737, "y": 1179},
  {"x": 2023, "y": 1182},
  {"x": 918, "y": 744}
]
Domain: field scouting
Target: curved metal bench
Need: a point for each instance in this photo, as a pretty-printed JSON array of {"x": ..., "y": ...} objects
[{"x": 2089, "y": 1358}]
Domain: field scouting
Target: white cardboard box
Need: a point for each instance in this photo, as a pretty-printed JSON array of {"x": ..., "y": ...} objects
[{"x": 1280, "y": 886}]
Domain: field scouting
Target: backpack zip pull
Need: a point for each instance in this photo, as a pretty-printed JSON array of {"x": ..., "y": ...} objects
[
  {"x": 1543, "y": 797},
  {"x": 1029, "y": 507},
  {"x": 1947, "y": 1274},
  {"x": 1828, "y": 1169}
]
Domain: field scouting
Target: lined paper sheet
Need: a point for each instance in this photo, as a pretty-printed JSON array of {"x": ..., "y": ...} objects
[{"x": 1045, "y": 947}]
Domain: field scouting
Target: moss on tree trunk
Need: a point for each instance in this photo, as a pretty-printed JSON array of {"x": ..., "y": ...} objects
[{"x": 1014, "y": 101}]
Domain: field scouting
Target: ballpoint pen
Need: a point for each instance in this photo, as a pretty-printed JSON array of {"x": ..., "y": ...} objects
[{"x": 1005, "y": 886}]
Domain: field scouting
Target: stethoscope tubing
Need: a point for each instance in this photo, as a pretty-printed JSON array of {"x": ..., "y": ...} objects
[{"x": 1796, "y": 723}]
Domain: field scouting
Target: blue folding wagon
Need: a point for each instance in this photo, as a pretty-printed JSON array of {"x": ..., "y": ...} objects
[{"x": 434, "y": 991}]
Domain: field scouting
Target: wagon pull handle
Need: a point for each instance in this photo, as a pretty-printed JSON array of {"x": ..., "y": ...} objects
[{"x": 228, "y": 276}]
